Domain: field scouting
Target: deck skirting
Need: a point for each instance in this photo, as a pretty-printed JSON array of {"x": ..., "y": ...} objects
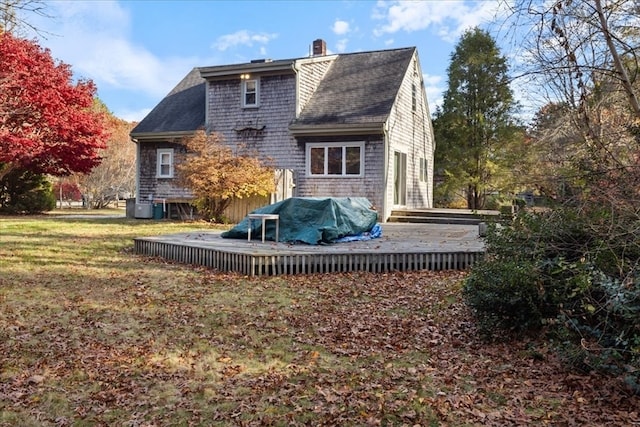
[{"x": 262, "y": 263}]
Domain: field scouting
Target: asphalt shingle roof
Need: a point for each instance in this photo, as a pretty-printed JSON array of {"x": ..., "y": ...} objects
[
  {"x": 359, "y": 88},
  {"x": 183, "y": 109}
]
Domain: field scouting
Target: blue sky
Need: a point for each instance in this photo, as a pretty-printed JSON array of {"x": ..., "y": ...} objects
[{"x": 137, "y": 51}]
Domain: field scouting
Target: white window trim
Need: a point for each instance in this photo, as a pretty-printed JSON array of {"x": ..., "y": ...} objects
[
  {"x": 244, "y": 93},
  {"x": 327, "y": 145},
  {"x": 159, "y": 154}
]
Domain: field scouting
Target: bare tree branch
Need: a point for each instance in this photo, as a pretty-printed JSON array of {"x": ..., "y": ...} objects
[
  {"x": 617, "y": 62},
  {"x": 13, "y": 15}
]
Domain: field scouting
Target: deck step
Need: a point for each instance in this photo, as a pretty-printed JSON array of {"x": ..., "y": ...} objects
[
  {"x": 435, "y": 220},
  {"x": 442, "y": 216}
]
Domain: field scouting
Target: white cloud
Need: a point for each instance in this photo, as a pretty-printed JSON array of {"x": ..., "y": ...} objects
[
  {"x": 133, "y": 116},
  {"x": 449, "y": 19},
  {"x": 341, "y": 46},
  {"x": 93, "y": 37},
  {"x": 125, "y": 66},
  {"x": 434, "y": 89},
  {"x": 242, "y": 38},
  {"x": 340, "y": 27},
  {"x": 431, "y": 80},
  {"x": 105, "y": 16}
]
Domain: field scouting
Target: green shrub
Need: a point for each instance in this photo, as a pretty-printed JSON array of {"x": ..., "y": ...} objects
[
  {"x": 504, "y": 295},
  {"x": 567, "y": 269},
  {"x": 24, "y": 192}
]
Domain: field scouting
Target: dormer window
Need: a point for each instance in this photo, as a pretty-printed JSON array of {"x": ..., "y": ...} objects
[{"x": 250, "y": 92}]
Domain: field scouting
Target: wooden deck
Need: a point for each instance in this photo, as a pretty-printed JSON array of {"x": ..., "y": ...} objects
[{"x": 402, "y": 247}]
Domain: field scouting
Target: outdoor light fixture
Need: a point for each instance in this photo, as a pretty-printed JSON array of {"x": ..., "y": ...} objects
[{"x": 244, "y": 76}]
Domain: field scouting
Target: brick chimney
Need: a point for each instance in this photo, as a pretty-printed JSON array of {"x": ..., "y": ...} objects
[{"x": 319, "y": 47}]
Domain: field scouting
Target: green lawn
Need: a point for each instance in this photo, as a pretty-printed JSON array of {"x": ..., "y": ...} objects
[{"x": 91, "y": 334}]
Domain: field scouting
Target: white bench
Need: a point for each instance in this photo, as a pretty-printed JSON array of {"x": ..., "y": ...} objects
[{"x": 264, "y": 218}]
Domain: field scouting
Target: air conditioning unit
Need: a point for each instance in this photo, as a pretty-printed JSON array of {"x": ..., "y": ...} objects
[{"x": 144, "y": 210}]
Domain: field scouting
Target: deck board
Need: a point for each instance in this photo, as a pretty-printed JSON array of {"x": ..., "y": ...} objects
[{"x": 402, "y": 247}]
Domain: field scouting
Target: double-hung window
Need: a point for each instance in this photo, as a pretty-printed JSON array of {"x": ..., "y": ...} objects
[
  {"x": 250, "y": 93},
  {"x": 164, "y": 163},
  {"x": 335, "y": 159}
]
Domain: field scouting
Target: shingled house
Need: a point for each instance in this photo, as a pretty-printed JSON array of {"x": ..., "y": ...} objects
[{"x": 341, "y": 125}]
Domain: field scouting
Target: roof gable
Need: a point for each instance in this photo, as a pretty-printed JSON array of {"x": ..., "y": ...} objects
[
  {"x": 359, "y": 88},
  {"x": 182, "y": 110}
]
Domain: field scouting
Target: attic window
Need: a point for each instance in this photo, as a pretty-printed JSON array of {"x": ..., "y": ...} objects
[{"x": 250, "y": 92}]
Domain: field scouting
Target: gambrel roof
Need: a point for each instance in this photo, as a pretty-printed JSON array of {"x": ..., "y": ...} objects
[{"x": 358, "y": 89}]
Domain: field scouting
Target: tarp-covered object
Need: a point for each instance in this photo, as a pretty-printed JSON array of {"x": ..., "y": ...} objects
[{"x": 311, "y": 220}]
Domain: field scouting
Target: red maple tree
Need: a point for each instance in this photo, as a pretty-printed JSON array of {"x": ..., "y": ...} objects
[{"x": 47, "y": 123}]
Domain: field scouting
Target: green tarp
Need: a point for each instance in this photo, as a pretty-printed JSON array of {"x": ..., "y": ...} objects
[{"x": 311, "y": 220}]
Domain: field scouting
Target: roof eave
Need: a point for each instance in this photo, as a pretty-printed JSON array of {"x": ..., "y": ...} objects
[
  {"x": 258, "y": 67},
  {"x": 341, "y": 129},
  {"x": 160, "y": 136}
]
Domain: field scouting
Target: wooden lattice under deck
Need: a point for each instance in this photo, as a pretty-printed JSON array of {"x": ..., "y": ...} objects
[{"x": 402, "y": 247}]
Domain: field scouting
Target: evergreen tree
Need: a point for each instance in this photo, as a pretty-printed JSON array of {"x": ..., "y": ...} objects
[{"x": 478, "y": 138}]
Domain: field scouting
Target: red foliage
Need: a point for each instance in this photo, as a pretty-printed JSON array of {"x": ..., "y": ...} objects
[
  {"x": 67, "y": 190},
  {"x": 47, "y": 123}
]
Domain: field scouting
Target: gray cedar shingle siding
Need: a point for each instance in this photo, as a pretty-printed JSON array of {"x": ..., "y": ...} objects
[
  {"x": 369, "y": 185},
  {"x": 272, "y": 117},
  {"x": 410, "y": 133},
  {"x": 149, "y": 183},
  {"x": 181, "y": 112},
  {"x": 359, "y": 88},
  {"x": 333, "y": 98},
  {"x": 312, "y": 71}
]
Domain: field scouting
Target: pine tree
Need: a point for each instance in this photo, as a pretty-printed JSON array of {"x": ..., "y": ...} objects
[{"x": 478, "y": 138}]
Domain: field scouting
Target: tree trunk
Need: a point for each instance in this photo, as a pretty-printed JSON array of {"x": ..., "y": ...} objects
[
  {"x": 5, "y": 168},
  {"x": 617, "y": 62}
]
